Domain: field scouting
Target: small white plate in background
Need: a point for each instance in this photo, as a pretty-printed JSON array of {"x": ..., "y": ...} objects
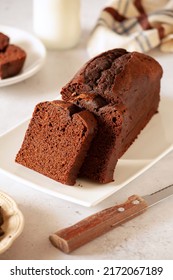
[{"x": 34, "y": 49}]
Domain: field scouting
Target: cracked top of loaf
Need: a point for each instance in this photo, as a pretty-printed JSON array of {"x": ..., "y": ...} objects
[{"x": 117, "y": 76}]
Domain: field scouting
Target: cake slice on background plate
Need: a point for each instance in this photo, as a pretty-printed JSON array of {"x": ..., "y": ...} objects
[
  {"x": 4, "y": 41},
  {"x": 12, "y": 58}
]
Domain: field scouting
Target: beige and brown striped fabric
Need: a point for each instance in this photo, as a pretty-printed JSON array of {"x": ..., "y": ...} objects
[{"x": 136, "y": 25}]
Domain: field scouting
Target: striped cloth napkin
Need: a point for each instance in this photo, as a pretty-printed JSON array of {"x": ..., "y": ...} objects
[{"x": 136, "y": 25}]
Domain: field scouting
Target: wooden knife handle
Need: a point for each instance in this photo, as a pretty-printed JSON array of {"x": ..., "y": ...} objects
[{"x": 71, "y": 238}]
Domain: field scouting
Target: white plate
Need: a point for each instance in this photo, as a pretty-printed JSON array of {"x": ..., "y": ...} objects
[
  {"x": 34, "y": 48},
  {"x": 153, "y": 143},
  {"x": 13, "y": 222}
]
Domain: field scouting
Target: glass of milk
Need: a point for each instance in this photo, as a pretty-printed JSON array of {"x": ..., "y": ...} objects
[{"x": 57, "y": 22}]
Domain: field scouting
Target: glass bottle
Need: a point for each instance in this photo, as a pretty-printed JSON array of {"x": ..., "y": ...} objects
[{"x": 57, "y": 22}]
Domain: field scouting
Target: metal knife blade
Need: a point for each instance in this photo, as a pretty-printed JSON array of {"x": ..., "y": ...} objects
[
  {"x": 158, "y": 196},
  {"x": 71, "y": 238}
]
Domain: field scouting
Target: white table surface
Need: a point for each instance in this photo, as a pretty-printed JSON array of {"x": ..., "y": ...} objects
[{"x": 149, "y": 236}]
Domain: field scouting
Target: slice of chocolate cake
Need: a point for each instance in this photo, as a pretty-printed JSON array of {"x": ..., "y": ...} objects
[
  {"x": 117, "y": 129},
  {"x": 125, "y": 86},
  {"x": 11, "y": 61},
  {"x": 104, "y": 151},
  {"x": 57, "y": 140}
]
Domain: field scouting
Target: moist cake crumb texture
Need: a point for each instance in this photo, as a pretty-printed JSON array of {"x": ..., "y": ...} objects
[{"x": 57, "y": 140}]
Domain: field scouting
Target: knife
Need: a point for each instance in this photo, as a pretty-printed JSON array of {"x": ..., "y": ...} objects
[{"x": 71, "y": 238}]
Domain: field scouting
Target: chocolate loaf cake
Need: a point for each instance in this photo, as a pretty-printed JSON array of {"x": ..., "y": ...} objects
[
  {"x": 126, "y": 88},
  {"x": 119, "y": 91},
  {"x": 57, "y": 140},
  {"x": 11, "y": 61},
  {"x": 4, "y": 41}
]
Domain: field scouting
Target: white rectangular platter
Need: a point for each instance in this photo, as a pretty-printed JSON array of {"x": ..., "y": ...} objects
[{"x": 155, "y": 141}]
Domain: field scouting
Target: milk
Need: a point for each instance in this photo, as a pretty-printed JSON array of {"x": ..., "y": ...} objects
[{"x": 57, "y": 22}]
